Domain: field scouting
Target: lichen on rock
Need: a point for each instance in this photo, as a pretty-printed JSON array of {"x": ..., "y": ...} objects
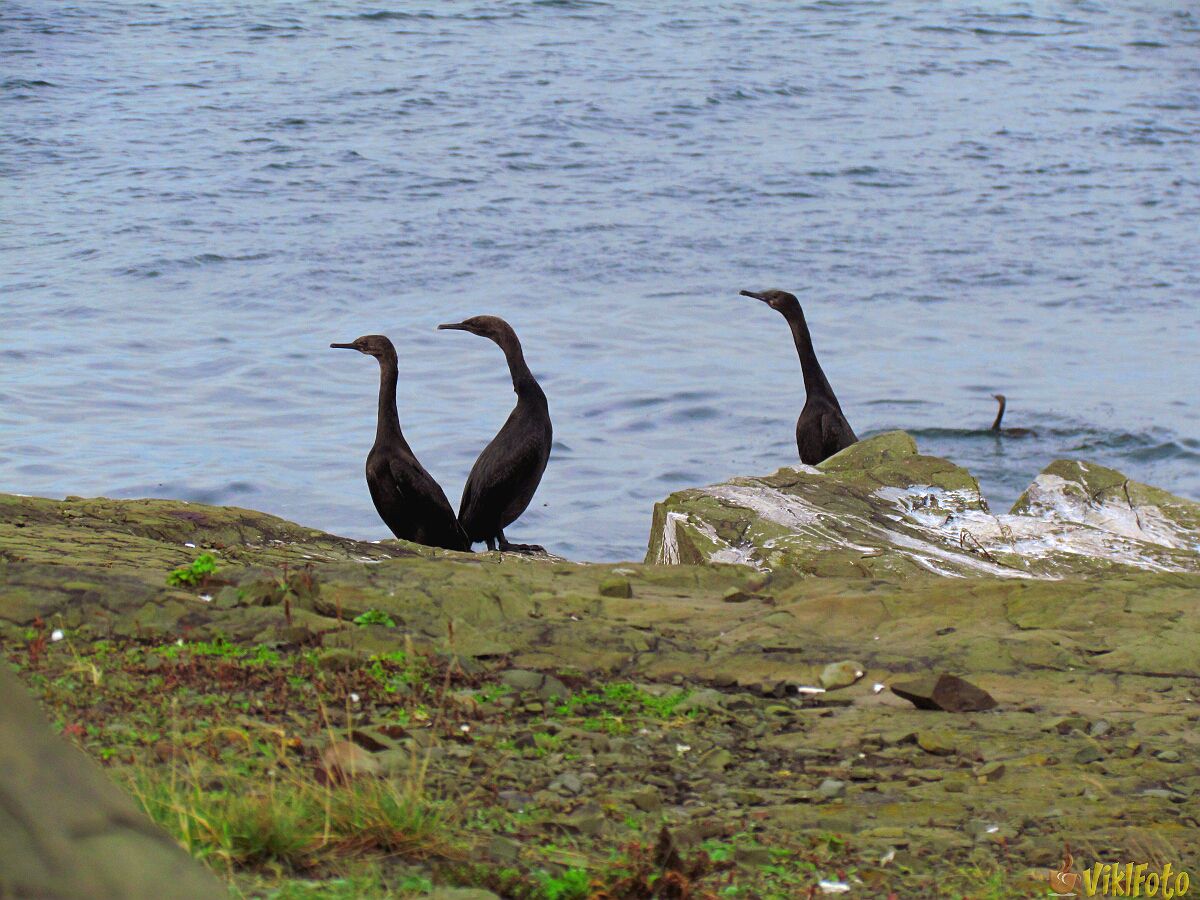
[{"x": 880, "y": 509}]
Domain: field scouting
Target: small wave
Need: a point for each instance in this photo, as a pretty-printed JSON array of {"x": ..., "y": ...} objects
[
  {"x": 24, "y": 84},
  {"x": 385, "y": 15},
  {"x": 155, "y": 269}
]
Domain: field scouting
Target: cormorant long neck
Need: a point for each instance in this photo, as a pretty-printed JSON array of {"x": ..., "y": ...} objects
[
  {"x": 387, "y": 428},
  {"x": 999, "y": 414},
  {"x": 524, "y": 383},
  {"x": 815, "y": 383}
]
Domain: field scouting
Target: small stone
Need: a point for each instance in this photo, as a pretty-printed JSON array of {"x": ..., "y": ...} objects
[
  {"x": 588, "y": 820},
  {"x": 716, "y": 760},
  {"x": 567, "y": 783},
  {"x": 1066, "y": 724},
  {"x": 1089, "y": 753},
  {"x": 703, "y": 699},
  {"x": 945, "y": 692},
  {"x": 831, "y": 788},
  {"x": 841, "y": 674},
  {"x": 515, "y": 800},
  {"x": 338, "y": 660},
  {"x": 897, "y": 736},
  {"x": 545, "y": 686},
  {"x": 504, "y": 849},
  {"x": 939, "y": 743},
  {"x": 1099, "y": 728},
  {"x": 616, "y": 586},
  {"x": 647, "y": 799},
  {"x": 1167, "y": 756},
  {"x": 752, "y": 856},
  {"x": 992, "y": 771},
  {"x": 343, "y": 760}
]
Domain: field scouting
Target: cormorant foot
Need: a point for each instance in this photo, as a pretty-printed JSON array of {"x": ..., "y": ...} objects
[{"x": 506, "y": 547}]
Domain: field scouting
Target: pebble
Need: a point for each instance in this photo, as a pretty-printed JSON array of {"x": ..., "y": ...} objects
[
  {"x": 841, "y": 674},
  {"x": 616, "y": 586},
  {"x": 831, "y": 788},
  {"x": 939, "y": 743}
]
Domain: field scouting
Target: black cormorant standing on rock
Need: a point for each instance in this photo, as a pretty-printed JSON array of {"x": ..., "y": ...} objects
[
  {"x": 409, "y": 501},
  {"x": 1009, "y": 432},
  {"x": 821, "y": 430},
  {"x": 507, "y": 473}
]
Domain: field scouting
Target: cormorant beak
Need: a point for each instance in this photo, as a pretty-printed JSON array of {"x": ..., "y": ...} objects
[
  {"x": 343, "y": 347},
  {"x": 754, "y": 295},
  {"x": 454, "y": 326}
]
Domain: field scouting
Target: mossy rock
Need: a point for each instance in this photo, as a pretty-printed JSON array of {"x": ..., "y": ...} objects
[{"x": 880, "y": 509}]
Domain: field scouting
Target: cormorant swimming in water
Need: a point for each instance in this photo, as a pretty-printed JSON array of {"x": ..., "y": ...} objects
[
  {"x": 409, "y": 501},
  {"x": 1009, "y": 432},
  {"x": 507, "y": 473},
  {"x": 821, "y": 430}
]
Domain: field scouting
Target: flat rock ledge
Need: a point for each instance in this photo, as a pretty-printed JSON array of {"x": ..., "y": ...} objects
[
  {"x": 880, "y": 509},
  {"x": 1093, "y": 738}
]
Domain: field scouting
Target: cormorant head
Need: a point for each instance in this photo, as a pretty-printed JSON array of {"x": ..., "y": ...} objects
[
  {"x": 375, "y": 345},
  {"x": 999, "y": 398},
  {"x": 780, "y": 301},
  {"x": 485, "y": 326}
]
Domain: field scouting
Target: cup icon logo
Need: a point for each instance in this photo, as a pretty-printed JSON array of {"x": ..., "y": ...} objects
[{"x": 1064, "y": 883}]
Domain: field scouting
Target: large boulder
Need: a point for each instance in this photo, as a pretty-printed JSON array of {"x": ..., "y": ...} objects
[
  {"x": 882, "y": 509},
  {"x": 66, "y": 831}
]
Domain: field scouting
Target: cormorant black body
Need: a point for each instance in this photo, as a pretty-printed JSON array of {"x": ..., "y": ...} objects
[
  {"x": 407, "y": 498},
  {"x": 822, "y": 429},
  {"x": 1008, "y": 432},
  {"x": 508, "y": 471}
]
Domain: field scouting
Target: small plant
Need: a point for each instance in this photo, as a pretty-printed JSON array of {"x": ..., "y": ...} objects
[
  {"x": 197, "y": 572},
  {"x": 375, "y": 617},
  {"x": 573, "y": 884}
]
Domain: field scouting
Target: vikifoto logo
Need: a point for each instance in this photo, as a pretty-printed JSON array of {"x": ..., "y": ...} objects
[{"x": 1117, "y": 880}]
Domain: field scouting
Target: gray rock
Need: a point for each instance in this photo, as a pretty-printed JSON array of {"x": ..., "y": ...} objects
[
  {"x": 939, "y": 743},
  {"x": 66, "y": 830},
  {"x": 545, "y": 686},
  {"x": 831, "y": 788},
  {"x": 504, "y": 849},
  {"x": 947, "y": 693},
  {"x": 648, "y": 799},
  {"x": 753, "y": 856},
  {"x": 338, "y": 660},
  {"x": 616, "y": 586},
  {"x": 568, "y": 782},
  {"x": 703, "y": 699},
  {"x": 716, "y": 760},
  {"x": 841, "y": 674},
  {"x": 829, "y": 520}
]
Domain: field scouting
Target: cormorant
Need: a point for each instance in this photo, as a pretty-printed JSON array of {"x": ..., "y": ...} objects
[
  {"x": 507, "y": 473},
  {"x": 1008, "y": 432},
  {"x": 821, "y": 430},
  {"x": 409, "y": 501}
]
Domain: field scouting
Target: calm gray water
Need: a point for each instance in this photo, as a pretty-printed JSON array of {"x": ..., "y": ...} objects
[{"x": 198, "y": 198}]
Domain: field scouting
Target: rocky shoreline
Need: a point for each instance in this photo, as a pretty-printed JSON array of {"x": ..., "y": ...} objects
[{"x": 713, "y": 692}]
